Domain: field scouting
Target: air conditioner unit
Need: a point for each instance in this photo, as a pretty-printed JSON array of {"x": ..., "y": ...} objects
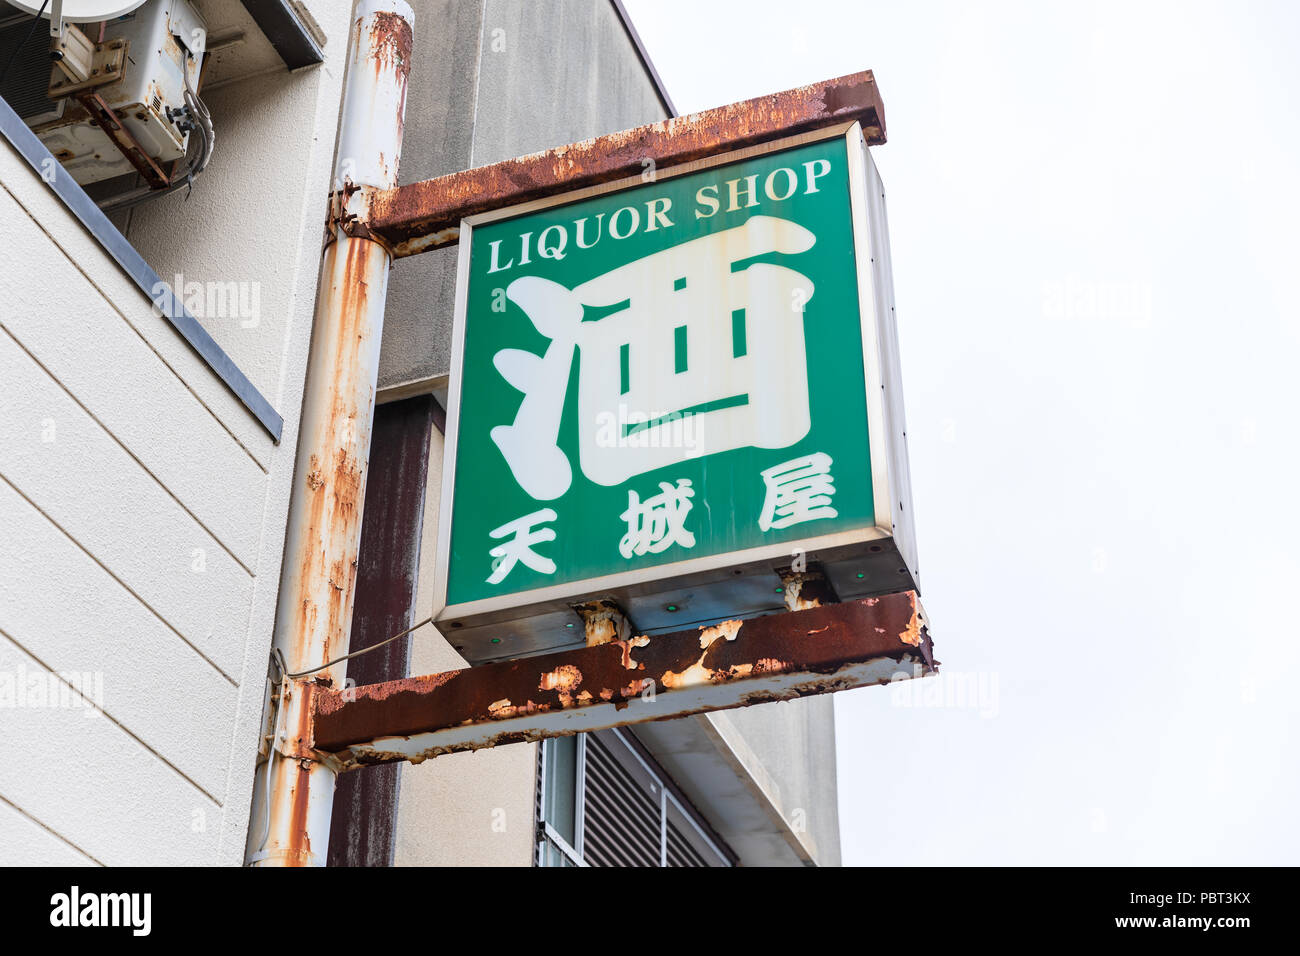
[{"x": 129, "y": 113}]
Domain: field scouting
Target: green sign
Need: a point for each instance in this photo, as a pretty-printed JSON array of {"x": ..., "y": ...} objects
[{"x": 666, "y": 372}]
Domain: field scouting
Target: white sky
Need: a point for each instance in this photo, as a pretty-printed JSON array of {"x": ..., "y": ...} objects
[{"x": 1105, "y": 494}]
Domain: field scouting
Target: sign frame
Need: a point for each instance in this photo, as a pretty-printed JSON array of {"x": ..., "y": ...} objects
[{"x": 540, "y": 620}]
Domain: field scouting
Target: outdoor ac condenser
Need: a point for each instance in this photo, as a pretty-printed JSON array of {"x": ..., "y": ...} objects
[{"x": 145, "y": 55}]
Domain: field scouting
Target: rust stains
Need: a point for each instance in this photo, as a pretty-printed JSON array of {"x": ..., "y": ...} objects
[
  {"x": 807, "y": 588},
  {"x": 389, "y": 54},
  {"x": 564, "y": 679},
  {"x": 819, "y": 642},
  {"x": 603, "y": 621},
  {"x": 314, "y": 480},
  {"x": 424, "y": 215},
  {"x": 382, "y": 751},
  {"x": 726, "y": 631},
  {"x": 297, "y": 741},
  {"x": 102, "y": 115},
  {"x": 296, "y": 767},
  {"x": 335, "y": 479},
  {"x": 298, "y": 845},
  {"x": 628, "y": 647},
  {"x": 390, "y": 41}
]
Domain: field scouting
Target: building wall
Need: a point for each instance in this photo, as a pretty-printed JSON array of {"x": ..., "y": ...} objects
[
  {"x": 787, "y": 749},
  {"x": 143, "y": 507}
]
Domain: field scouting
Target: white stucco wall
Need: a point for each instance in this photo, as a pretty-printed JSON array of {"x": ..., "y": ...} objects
[{"x": 142, "y": 507}]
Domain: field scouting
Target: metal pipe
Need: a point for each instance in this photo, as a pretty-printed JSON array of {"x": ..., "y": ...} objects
[{"x": 314, "y": 616}]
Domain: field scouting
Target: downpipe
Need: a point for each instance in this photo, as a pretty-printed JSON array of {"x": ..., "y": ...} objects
[{"x": 293, "y": 791}]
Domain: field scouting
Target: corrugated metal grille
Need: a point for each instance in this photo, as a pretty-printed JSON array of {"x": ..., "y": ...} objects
[
  {"x": 622, "y": 825},
  {"x": 29, "y": 75}
]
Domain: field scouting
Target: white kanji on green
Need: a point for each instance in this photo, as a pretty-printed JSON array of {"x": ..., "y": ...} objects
[
  {"x": 521, "y": 534},
  {"x": 797, "y": 490},
  {"x": 693, "y": 331},
  {"x": 659, "y": 522}
]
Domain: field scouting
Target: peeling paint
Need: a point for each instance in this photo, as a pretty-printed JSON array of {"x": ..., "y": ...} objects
[
  {"x": 726, "y": 631},
  {"x": 913, "y": 633},
  {"x": 773, "y": 657},
  {"x": 603, "y": 621},
  {"x": 417, "y": 748}
]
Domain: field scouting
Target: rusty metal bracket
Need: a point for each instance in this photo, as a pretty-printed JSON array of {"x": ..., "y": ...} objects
[
  {"x": 732, "y": 664},
  {"x": 289, "y": 726},
  {"x": 806, "y": 588},
  {"x": 108, "y": 65},
  {"x": 425, "y": 215},
  {"x": 348, "y": 213},
  {"x": 603, "y": 621},
  {"x": 102, "y": 115}
]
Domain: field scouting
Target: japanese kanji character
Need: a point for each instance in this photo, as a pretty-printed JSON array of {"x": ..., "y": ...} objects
[
  {"x": 797, "y": 490},
  {"x": 682, "y": 334},
  {"x": 522, "y": 535},
  {"x": 659, "y": 522}
]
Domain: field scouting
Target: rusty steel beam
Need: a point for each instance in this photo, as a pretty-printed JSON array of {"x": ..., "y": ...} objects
[
  {"x": 425, "y": 215},
  {"x": 733, "y": 664}
]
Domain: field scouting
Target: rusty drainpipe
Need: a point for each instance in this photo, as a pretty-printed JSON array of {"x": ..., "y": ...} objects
[{"x": 290, "y": 822}]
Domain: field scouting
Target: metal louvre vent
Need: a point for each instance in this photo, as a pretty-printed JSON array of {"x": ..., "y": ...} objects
[
  {"x": 622, "y": 824},
  {"x": 602, "y": 800},
  {"x": 680, "y": 852}
]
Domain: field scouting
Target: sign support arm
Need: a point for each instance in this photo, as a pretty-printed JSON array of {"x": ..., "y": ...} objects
[{"x": 732, "y": 664}]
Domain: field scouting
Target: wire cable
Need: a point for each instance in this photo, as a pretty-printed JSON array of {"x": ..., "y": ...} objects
[{"x": 347, "y": 657}]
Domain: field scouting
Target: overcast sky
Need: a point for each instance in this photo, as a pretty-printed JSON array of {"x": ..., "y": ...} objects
[{"x": 1095, "y": 223}]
